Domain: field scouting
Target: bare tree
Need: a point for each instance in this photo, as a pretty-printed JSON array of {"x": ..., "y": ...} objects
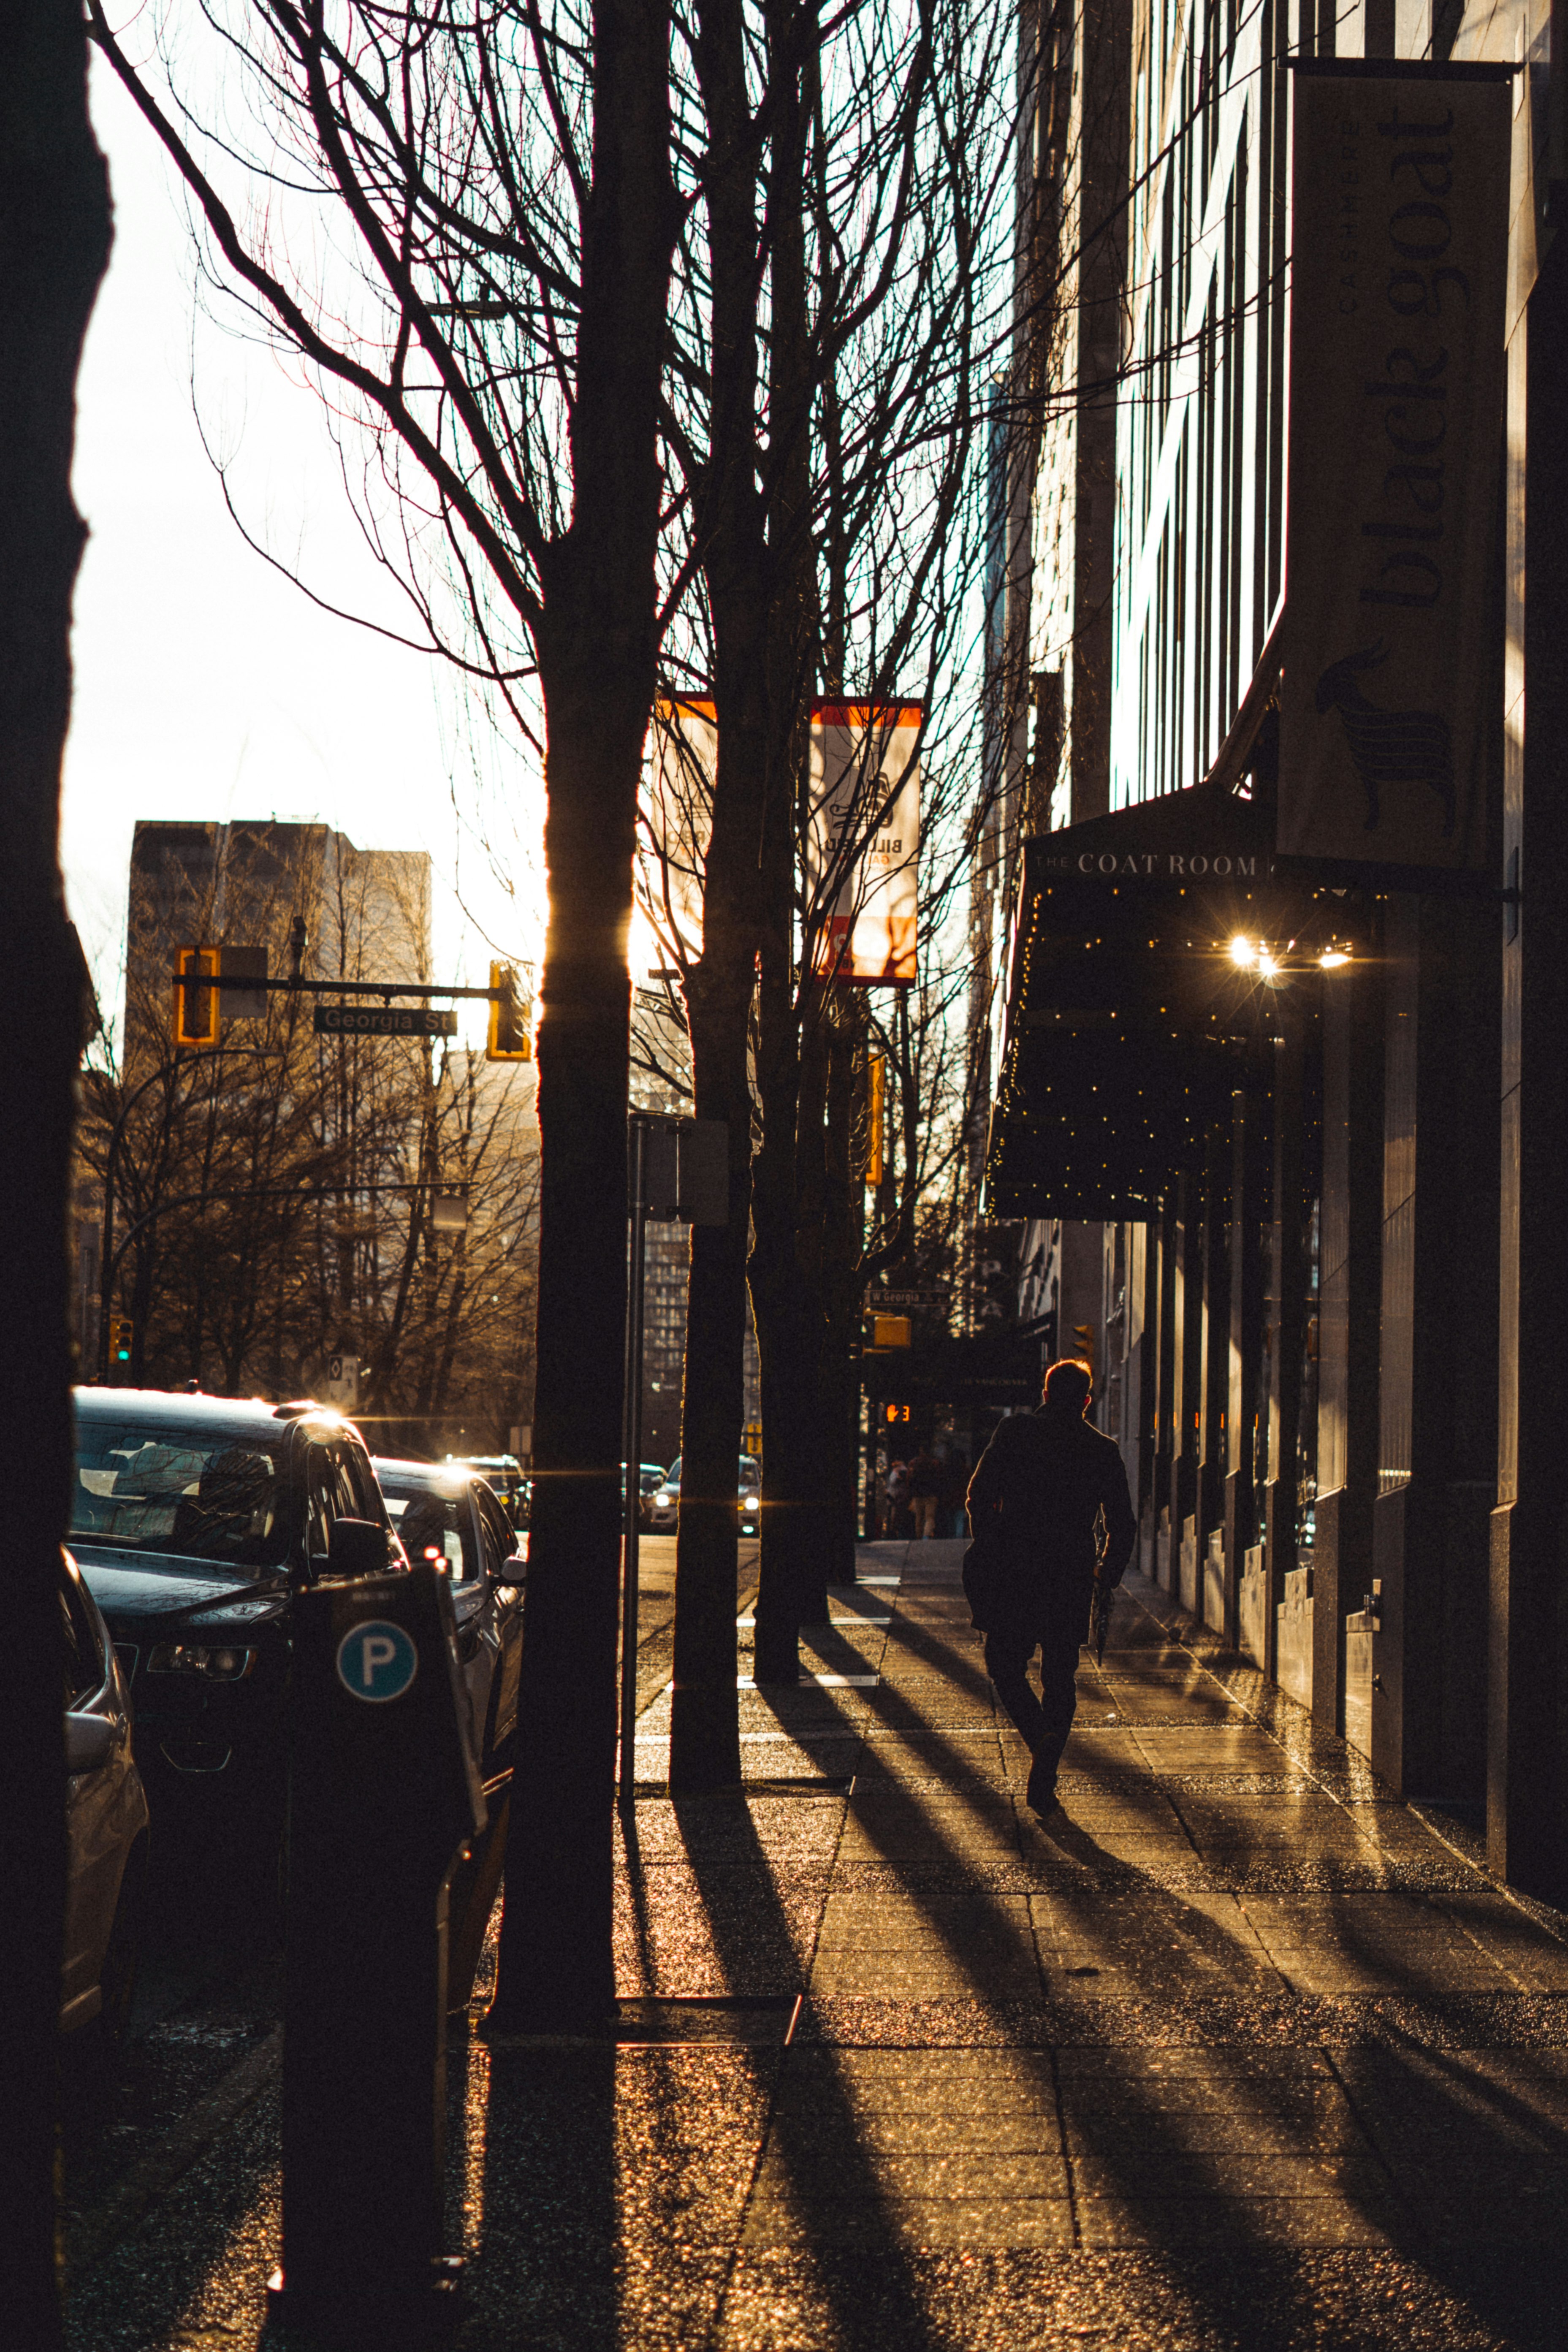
[
  {"x": 483, "y": 215},
  {"x": 841, "y": 283}
]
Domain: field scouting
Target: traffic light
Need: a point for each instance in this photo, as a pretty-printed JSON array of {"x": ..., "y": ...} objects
[
  {"x": 875, "y": 1080},
  {"x": 896, "y": 1413},
  {"x": 1083, "y": 1342},
  {"x": 509, "y": 1040},
  {"x": 195, "y": 1008},
  {"x": 121, "y": 1336}
]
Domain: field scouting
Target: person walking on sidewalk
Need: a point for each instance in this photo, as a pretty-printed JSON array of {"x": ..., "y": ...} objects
[
  {"x": 1046, "y": 1484},
  {"x": 925, "y": 1485}
]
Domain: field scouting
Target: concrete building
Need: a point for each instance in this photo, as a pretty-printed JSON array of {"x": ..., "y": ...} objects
[{"x": 1326, "y": 1181}]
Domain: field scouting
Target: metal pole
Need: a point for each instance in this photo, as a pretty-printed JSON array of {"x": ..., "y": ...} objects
[{"x": 632, "y": 1426}]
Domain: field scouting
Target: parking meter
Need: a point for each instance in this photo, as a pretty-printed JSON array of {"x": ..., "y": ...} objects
[{"x": 384, "y": 1794}]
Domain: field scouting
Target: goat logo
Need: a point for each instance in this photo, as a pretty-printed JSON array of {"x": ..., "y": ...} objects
[{"x": 1388, "y": 747}]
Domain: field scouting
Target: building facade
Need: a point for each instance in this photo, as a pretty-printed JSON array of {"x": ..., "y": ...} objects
[
  {"x": 1315, "y": 1113},
  {"x": 275, "y": 1196}
]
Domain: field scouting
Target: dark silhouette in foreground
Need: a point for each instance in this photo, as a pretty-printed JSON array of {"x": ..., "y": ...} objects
[{"x": 1043, "y": 1489}]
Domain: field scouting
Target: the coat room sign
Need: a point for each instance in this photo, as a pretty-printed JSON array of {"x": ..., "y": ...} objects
[{"x": 1399, "y": 245}]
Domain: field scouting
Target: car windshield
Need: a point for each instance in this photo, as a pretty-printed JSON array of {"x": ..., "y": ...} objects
[
  {"x": 433, "y": 1518},
  {"x": 750, "y": 1476},
  {"x": 202, "y": 1491}
]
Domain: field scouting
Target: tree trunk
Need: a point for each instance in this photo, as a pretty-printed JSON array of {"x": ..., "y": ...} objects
[
  {"x": 844, "y": 1236},
  {"x": 596, "y": 641},
  {"x": 789, "y": 1325},
  {"x": 704, "y": 1745},
  {"x": 54, "y": 245},
  {"x": 556, "y": 1969},
  {"x": 704, "y": 1732}
]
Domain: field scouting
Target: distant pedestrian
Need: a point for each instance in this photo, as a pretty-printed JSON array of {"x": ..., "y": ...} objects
[
  {"x": 1046, "y": 1484},
  {"x": 896, "y": 1488},
  {"x": 925, "y": 1486}
]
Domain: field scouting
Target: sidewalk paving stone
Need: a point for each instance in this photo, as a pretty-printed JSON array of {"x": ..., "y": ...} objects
[{"x": 1235, "y": 2053}]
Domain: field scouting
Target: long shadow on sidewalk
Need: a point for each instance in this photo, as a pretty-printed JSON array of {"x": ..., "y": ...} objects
[
  {"x": 1263, "y": 2102},
  {"x": 899, "y": 2316},
  {"x": 1469, "y": 2179}
]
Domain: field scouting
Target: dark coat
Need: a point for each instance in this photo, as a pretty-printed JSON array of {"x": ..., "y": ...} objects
[{"x": 1055, "y": 1483}]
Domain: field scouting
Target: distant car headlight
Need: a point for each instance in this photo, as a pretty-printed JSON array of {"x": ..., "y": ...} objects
[
  {"x": 219, "y": 1665},
  {"x": 664, "y": 1498},
  {"x": 749, "y": 1502}
]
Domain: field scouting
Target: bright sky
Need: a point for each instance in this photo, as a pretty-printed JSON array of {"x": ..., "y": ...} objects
[{"x": 206, "y": 685}]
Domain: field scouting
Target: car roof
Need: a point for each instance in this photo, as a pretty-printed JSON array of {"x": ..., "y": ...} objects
[
  {"x": 438, "y": 1474},
  {"x": 179, "y": 1410}
]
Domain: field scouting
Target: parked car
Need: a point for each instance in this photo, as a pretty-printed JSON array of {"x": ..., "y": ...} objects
[
  {"x": 664, "y": 1502},
  {"x": 503, "y": 1473},
  {"x": 106, "y": 1820},
  {"x": 446, "y": 1512},
  {"x": 196, "y": 1519},
  {"x": 651, "y": 1478}
]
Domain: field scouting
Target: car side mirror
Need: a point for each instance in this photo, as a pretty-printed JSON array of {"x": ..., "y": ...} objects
[
  {"x": 513, "y": 1571},
  {"x": 356, "y": 1547},
  {"x": 90, "y": 1742}
]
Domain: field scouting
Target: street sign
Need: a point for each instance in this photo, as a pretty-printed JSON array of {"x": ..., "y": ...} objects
[
  {"x": 377, "y": 1661},
  {"x": 384, "y": 1021},
  {"x": 685, "y": 1169},
  {"x": 236, "y": 966},
  {"x": 907, "y": 1298}
]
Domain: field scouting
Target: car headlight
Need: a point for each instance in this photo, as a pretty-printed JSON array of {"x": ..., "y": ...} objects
[
  {"x": 664, "y": 1498},
  {"x": 233, "y": 1614},
  {"x": 219, "y": 1665},
  {"x": 749, "y": 1502}
]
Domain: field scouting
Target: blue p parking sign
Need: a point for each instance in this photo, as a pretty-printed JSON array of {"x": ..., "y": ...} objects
[{"x": 377, "y": 1661}]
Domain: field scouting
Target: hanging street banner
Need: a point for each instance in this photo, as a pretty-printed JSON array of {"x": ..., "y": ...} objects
[
  {"x": 672, "y": 849},
  {"x": 863, "y": 840},
  {"x": 1399, "y": 250}
]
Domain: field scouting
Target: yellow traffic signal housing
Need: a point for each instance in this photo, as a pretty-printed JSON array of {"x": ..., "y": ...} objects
[
  {"x": 121, "y": 1338},
  {"x": 195, "y": 1006},
  {"x": 509, "y": 1040},
  {"x": 891, "y": 1331},
  {"x": 1083, "y": 1341},
  {"x": 876, "y": 1079}
]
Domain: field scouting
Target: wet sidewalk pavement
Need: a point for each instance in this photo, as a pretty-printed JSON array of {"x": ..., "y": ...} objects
[{"x": 1238, "y": 2051}]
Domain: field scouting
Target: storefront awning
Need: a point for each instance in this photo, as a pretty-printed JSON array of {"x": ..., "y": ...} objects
[{"x": 1130, "y": 1020}]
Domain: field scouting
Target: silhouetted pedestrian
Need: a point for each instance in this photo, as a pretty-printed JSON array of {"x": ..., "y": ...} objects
[
  {"x": 1048, "y": 1483},
  {"x": 925, "y": 1485}
]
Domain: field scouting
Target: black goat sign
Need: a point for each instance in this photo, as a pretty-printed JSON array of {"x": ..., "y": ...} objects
[
  {"x": 1399, "y": 243},
  {"x": 1388, "y": 747}
]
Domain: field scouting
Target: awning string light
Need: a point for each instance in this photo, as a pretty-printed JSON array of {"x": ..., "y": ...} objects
[{"x": 1269, "y": 959}]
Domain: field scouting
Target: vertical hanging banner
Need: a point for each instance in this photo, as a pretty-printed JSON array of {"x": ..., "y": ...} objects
[
  {"x": 863, "y": 841},
  {"x": 1399, "y": 250},
  {"x": 672, "y": 850}
]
